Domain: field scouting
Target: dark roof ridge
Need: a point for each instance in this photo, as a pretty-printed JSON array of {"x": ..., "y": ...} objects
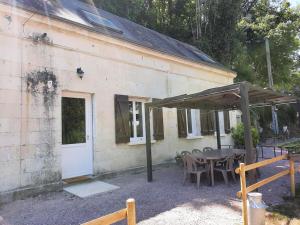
[{"x": 132, "y": 32}]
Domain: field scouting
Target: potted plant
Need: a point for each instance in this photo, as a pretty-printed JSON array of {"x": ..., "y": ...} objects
[{"x": 239, "y": 138}]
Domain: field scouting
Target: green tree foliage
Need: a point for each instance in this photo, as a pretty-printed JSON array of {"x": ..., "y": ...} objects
[
  {"x": 281, "y": 24},
  {"x": 238, "y": 135},
  {"x": 130, "y": 9},
  {"x": 216, "y": 23},
  {"x": 231, "y": 31},
  {"x": 210, "y": 25},
  {"x": 171, "y": 17},
  {"x": 286, "y": 116}
]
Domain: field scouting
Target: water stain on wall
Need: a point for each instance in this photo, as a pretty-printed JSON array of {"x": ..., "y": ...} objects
[{"x": 43, "y": 85}]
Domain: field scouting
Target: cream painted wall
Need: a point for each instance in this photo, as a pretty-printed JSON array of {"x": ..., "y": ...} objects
[{"x": 30, "y": 127}]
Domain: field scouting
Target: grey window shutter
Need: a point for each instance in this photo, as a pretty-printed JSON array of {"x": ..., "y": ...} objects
[
  {"x": 122, "y": 119},
  {"x": 226, "y": 122},
  {"x": 204, "y": 122},
  {"x": 181, "y": 121},
  {"x": 158, "y": 123},
  {"x": 207, "y": 122},
  {"x": 189, "y": 120},
  {"x": 211, "y": 123}
]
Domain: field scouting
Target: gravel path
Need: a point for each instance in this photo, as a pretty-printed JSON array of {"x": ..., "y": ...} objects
[{"x": 164, "y": 201}]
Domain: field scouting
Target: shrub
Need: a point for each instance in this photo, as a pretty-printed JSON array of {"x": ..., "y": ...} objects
[{"x": 238, "y": 135}]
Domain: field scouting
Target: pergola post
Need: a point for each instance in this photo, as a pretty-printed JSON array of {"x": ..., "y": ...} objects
[
  {"x": 250, "y": 153},
  {"x": 148, "y": 143},
  {"x": 218, "y": 129}
]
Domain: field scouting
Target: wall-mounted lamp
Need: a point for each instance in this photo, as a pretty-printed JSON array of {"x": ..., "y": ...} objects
[{"x": 80, "y": 72}]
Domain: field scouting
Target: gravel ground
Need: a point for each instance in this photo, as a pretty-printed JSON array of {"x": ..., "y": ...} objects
[{"x": 164, "y": 201}]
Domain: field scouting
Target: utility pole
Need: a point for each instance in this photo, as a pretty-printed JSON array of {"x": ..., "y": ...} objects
[
  {"x": 269, "y": 64},
  {"x": 274, "y": 114}
]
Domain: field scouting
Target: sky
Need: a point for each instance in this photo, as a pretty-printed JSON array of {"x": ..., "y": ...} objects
[{"x": 295, "y": 2}]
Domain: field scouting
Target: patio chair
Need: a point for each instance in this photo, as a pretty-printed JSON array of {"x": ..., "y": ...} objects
[
  {"x": 225, "y": 166},
  {"x": 192, "y": 167},
  {"x": 207, "y": 149},
  {"x": 184, "y": 162},
  {"x": 238, "y": 158},
  {"x": 196, "y": 151},
  {"x": 184, "y": 153}
]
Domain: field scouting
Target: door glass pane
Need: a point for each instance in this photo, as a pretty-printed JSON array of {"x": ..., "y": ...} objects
[
  {"x": 131, "y": 119},
  {"x": 139, "y": 119},
  {"x": 73, "y": 120}
]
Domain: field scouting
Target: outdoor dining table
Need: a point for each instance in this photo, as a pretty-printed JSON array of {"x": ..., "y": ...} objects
[{"x": 216, "y": 155}]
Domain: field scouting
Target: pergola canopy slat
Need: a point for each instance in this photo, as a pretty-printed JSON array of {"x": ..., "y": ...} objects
[{"x": 225, "y": 97}]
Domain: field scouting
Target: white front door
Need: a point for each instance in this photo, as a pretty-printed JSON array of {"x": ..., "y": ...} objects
[{"x": 77, "y": 149}]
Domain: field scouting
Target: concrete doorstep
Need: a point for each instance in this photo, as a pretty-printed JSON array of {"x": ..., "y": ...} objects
[{"x": 87, "y": 189}]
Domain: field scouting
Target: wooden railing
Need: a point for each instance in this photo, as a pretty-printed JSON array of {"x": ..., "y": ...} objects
[
  {"x": 128, "y": 213},
  {"x": 244, "y": 189}
]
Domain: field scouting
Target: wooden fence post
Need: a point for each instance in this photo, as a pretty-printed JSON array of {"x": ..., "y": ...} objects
[
  {"x": 244, "y": 193},
  {"x": 131, "y": 214},
  {"x": 292, "y": 174},
  {"x": 245, "y": 190}
]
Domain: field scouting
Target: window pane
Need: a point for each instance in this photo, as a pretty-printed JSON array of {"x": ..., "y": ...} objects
[
  {"x": 221, "y": 122},
  {"x": 197, "y": 130},
  {"x": 139, "y": 119},
  {"x": 73, "y": 120},
  {"x": 189, "y": 121},
  {"x": 131, "y": 119}
]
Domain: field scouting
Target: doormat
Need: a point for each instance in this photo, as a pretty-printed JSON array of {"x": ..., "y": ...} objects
[{"x": 87, "y": 189}]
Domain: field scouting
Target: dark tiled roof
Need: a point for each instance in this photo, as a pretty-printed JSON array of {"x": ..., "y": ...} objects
[{"x": 72, "y": 11}]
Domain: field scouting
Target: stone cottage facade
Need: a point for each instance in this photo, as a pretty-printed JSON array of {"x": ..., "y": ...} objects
[{"x": 72, "y": 75}]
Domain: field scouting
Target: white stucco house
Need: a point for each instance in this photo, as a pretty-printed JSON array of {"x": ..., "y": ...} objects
[{"x": 73, "y": 83}]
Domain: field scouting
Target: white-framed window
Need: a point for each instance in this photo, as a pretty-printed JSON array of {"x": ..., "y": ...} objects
[
  {"x": 193, "y": 123},
  {"x": 137, "y": 120}
]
